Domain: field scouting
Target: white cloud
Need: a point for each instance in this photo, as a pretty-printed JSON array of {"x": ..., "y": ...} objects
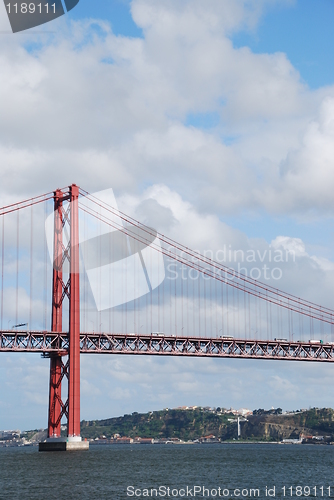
[
  {"x": 182, "y": 222},
  {"x": 111, "y": 109},
  {"x": 307, "y": 172},
  {"x": 293, "y": 245}
]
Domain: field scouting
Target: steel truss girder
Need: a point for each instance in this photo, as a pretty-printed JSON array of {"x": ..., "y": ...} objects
[{"x": 132, "y": 343}]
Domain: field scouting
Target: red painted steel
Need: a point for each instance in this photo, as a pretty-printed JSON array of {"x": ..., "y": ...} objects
[
  {"x": 169, "y": 345},
  {"x": 26, "y": 203},
  {"x": 57, "y": 310},
  {"x": 74, "y": 323},
  {"x": 71, "y": 409},
  {"x": 56, "y": 344},
  {"x": 55, "y": 403},
  {"x": 55, "y": 406}
]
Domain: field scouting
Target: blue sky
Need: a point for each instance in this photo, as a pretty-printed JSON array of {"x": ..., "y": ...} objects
[
  {"x": 222, "y": 113},
  {"x": 304, "y": 32},
  {"x": 302, "y": 29},
  {"x": 117, "y": 12}
]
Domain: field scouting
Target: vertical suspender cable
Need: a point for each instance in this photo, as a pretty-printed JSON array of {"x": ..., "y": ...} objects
[
  {"x": 175, "y": 299},
  {"x": 222, "y": 301},
  {"x": 199, "y": 304},
  {"x": 187, "y": 299},
  {"x": 216, "y": 308},
  {"x": 126, "y": 300},
  {"x": 255, "y": 307},
  {"x": 163, "y": 301},
  {"x": 113, "y": 288},
  {"x": 233, "y": 305},
  {"x": 182, "y": 325},
  {"x": 270, "y": 322},
  {"x": 193, "y": 304},
  {"x": 135, "y": 294},
  {"x": 238, "y": 315},
  {"x": 31, "y": 265},
  {"x": 45, "y": 274},
  {"x": 321, "y": 328},
  {"x": 170, "y": 298},
  {"x": 151, "y": 294},
  {"x": 84, "y": 312},
  {"x": 260, "y": 319},
  {"x": 249, "y": 313},
  {"x": 292, "y": 323},
  {"x": 227, "y": 315},
  {"x": 2, "y": 266},
  {"x": 245, "y": 313},
  {"x": 17, "y": 266},
  {"x": 159, "y": 298},
  {"x": 211, "y": 329},
  {"x": 204, "y": 287},
  {"x": 99, "y": 313}
]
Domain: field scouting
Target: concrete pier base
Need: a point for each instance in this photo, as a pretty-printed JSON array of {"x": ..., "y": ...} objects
[{"x": 64, "y": 444}]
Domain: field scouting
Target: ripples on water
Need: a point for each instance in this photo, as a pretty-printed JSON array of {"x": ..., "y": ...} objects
[{"x": 104, "y": 472}]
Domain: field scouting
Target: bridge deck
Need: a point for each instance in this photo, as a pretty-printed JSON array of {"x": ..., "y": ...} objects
[{"x": 49, "y": 343}]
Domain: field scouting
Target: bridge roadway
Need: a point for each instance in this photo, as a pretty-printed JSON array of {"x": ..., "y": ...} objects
[{"x": 48, "y": 343}]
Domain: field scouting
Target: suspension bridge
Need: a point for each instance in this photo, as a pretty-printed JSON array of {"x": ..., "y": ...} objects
[{"x": 80, "y": 276}]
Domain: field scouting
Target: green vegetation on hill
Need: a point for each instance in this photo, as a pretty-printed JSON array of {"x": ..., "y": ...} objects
[
  {"x": 316, "y": 419},
  {"x": 197, "y": 423},
  {"x": 183, "y": 424}
]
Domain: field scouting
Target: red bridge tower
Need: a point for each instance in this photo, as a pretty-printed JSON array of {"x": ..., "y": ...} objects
[{"x": 71, "y": 289}]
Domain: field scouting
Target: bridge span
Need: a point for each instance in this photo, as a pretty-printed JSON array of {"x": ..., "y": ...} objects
[
  {"x": 58, "y": 343},
  {"x": 109, "y": 272}
]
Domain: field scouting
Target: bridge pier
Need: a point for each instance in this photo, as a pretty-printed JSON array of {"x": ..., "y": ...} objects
[{"x": 63, "y": 444}]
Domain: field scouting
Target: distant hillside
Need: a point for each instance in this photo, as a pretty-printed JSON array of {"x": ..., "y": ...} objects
[
  {"x": 316, "y": 422},
  {"x": 183, "y": 424},
  {"x": 197, "y": 423}
]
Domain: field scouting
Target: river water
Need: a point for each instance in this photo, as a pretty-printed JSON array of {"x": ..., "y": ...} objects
[{"x": 113, "y": 472}]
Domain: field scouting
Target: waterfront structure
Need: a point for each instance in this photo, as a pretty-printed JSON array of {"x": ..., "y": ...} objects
[{"x": 140, "y": 245}]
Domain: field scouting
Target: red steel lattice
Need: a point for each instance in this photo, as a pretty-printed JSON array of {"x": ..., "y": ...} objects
[
  {"x": 71, "y": 289},
  {"x": 169, "y": 345}
]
